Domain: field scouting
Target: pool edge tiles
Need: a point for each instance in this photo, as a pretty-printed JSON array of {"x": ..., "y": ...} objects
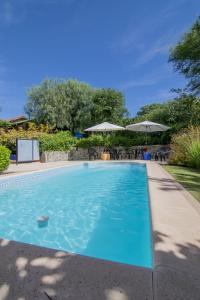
[{"x": 104, "y": 213}]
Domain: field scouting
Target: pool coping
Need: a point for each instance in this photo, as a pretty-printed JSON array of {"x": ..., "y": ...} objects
[
  {"x": 176, "y": 237},
  {"x": 176, "y": 273},
  {"x": 7, "y": 175}
]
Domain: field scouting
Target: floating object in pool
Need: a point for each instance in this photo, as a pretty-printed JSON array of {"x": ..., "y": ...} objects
[{"x": 42, "y": 221}]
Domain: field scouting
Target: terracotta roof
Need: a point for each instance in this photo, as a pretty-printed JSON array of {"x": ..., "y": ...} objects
[{"x": 17, "y": 119}]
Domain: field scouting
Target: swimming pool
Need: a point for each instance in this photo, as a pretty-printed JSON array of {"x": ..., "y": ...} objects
[{"x": 97, "y": 209}]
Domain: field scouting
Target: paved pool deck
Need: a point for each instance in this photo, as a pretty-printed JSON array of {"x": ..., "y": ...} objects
[{"x": 30, "y": 272}]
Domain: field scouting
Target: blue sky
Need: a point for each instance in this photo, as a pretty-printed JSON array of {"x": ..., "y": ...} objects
[{"x": 122, "y": 44}]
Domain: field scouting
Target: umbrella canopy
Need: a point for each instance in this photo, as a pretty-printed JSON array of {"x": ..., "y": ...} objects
[
  {"x": 147, "y": 126},
  {"x": 105, "y": 127}
]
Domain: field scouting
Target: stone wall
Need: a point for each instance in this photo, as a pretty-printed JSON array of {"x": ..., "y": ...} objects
[
  {"x": 83, "y": 154},
  {"x": 49, "y": 156}
]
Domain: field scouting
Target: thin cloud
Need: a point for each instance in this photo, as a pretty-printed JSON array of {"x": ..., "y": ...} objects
[
  {"x": 147, "y": 56},
  {"x": 133, "y": 37},
  {"x": 148, "y": 79},
  {"x": 16, "y": 11},
  {"x": 144, "y": 52},
  {"x": 146, "y": 39},
  {"x": 136, "y": 83},
  {"x": 7, "y": 15},
  {"x": 161, "y": 95},
  {"x": 161, "y": 46}
]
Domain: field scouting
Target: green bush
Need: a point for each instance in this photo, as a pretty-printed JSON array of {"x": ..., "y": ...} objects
[
  {"x": 194, "y": 155},
  {"x": 118, "y": 140},
  {"x": 4, "y": 158},
  {"x": 8, "y": 137},
  {"x": 110, "y": 140},
  {"x": 186, "y": 148},
  {"x": 5, "y": 124},
  {"x": 91, "y": 141},
  {"x": 61, "y": 141}
]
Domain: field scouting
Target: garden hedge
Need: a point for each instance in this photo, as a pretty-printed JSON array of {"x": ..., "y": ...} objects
[{"x": 4, "y": 158}]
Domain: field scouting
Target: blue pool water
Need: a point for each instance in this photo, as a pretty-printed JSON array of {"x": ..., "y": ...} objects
[{"x": 98, "y": 209}]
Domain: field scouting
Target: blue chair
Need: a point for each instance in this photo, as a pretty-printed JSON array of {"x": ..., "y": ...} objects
[
  {"x": 78, "y": 135},
  {"x": 147, "y": 156}
]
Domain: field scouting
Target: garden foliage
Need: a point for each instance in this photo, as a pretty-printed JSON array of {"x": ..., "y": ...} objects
[
  {"x": 115, "y": 140},
  {"x": 8, "y": 137},
  {"x": 186, "y": 148},
  {"x": 4, "y": 158},
  {"x": 185, "y": 57},
  {"x": 73, "y": 105},
  {"x": 49, "y": 141},
  {"x": 60, "y": 141}
]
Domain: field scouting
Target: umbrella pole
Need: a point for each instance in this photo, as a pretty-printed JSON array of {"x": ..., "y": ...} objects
[{"x": 146, "y": 135}]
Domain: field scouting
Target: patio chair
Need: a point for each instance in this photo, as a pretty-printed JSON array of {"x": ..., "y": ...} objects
[
  {"x": 92, "y": 154},
  {"x": 140, "y": 153},
  {"x": 162, "y": 156},
  {"x": 162, "y": 153},
  {"x": 113, "y": 154},
  {"x": 136, "y": 154},
  {"x": 119, "y": 154},
  {"x": 129, "y": 154}
]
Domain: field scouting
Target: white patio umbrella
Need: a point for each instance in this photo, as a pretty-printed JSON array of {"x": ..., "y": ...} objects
[
  {"x": 105, "y": 126},
  {"x": 147, "y": 127}
]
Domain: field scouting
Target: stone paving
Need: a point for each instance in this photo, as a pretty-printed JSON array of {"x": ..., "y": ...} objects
[{"x": 176, "y": 237}]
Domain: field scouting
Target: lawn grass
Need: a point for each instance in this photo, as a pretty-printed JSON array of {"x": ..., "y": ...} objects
[{"x": 189, "y": 178}]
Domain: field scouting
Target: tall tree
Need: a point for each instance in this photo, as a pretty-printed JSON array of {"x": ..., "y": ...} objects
[
  {"x": 147, "y": 109},
  {"x": 62, "y": 104},
  {"x": 109, "y": 105},
  {"x": 181, "y": 112},
  {"x": 186, "y": 57}
]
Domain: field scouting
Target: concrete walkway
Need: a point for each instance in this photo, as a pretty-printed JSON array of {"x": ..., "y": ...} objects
[
  {"x": 30, "y": 272},
  {"x": 176, "y": 236}
]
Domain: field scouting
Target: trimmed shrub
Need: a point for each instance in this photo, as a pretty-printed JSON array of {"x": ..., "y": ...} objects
[
  {"x": 61, "y": 141},
  {"x": 186, "y": 148},
  {"x": 91, "y": 141},
  {"x": 109, "y": 140},
  {"x": 120, "y": 140},
  {"x": 4, "y": 158}
]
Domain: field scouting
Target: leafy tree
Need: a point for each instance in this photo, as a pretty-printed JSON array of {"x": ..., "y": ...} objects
[
  {"x": 109, "y": 105},
  {"x": 147, "y": 109},
  {"x": 73, "y": 105},
  {"x": 181, "y": 112},
  {"x": 62, "y": 104},
  {"x": 178, "y": 113},
  {"x": 186, "y": 57}
]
